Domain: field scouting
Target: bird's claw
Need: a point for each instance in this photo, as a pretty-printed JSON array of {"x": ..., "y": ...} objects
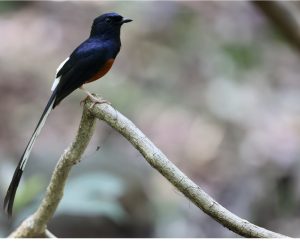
[{"x": 95, "y": 101}]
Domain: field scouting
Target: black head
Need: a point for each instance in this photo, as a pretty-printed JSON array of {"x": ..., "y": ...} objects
[{"x": 108, "y": 24}]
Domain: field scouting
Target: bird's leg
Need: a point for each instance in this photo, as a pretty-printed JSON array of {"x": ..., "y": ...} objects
[{"x": 93, "y": 98}]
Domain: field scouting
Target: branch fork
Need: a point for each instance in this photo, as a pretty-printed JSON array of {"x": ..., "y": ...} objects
[{"x": 36, "y": 224}]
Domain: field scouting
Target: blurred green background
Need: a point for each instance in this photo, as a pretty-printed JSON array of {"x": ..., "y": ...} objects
[{"x": 213, "y": 84}]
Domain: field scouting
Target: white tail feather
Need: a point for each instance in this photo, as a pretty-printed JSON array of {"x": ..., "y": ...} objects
[{"x": 34, "y": 137}]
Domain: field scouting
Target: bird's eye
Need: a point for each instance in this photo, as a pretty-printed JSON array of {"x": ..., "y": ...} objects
[{"x": 108, "y": 20}]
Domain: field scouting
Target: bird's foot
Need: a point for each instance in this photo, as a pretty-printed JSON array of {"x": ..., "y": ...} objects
[{"x": 96, "y": 100}]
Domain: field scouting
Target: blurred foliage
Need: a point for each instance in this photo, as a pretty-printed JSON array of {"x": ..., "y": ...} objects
[
  {"x": 99, "y": 194},
  {"x": 7, "y": 6},
  {"x": 245, "y": 57},
  {"x": 210, "y": 83},
  {"x": 27, "y": 191}
]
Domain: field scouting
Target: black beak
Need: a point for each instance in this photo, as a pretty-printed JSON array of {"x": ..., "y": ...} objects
[{"x": 125, "y": 21}]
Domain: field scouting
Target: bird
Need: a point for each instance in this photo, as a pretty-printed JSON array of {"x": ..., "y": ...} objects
[{"x": 91, "y": 60}]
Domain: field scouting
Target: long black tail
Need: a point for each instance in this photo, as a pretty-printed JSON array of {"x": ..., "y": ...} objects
[{"x": 11, "y": 192}]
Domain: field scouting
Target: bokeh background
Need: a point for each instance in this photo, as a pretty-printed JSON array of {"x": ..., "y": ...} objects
[{"x": 215, "y": 85}]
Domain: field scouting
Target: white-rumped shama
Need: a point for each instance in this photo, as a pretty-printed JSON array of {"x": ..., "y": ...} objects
[{"x": 91, "y": 60}]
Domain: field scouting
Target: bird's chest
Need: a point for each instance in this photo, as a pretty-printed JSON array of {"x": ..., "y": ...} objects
[{"x": 102, "y": 70}]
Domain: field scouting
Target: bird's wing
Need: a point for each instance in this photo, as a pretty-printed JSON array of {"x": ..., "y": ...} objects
[
  {"x": 83, "y": 63},
  {"x": 84, "y": 51}
]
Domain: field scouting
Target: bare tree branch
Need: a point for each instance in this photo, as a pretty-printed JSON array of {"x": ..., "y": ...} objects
[
  {"x": 285, "y": 15},
  {"x": 48, "y": 234},
  {"x": 161, "y": 163},
  {"x": 35, "y": 225}
]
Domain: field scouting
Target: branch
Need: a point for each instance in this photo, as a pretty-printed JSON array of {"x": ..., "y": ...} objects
[
  {"x": 285, "y": 16},
  {"x": 161, "y": 163},
  {"x": 36, "y": 224}
]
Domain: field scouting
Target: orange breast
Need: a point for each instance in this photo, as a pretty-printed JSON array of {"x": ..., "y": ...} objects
[{"x": 104, "y": 69}]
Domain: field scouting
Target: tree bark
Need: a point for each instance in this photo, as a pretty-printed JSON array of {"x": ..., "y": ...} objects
[{"x": 36, "y": 224}]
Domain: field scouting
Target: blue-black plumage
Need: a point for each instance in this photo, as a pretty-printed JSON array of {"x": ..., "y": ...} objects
[{"x": 89, "y": 61}]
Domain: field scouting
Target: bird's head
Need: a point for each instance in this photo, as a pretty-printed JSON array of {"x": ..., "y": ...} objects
[{"x": 108, "y": 24}]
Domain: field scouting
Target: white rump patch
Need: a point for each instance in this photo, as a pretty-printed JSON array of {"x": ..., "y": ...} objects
[{"x": 56, "y": 81}]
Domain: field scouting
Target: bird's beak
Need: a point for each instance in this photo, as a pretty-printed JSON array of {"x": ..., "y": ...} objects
[{"x": 124, "y": 20}]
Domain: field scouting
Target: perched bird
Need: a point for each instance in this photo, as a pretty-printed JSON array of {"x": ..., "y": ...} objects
[{"x": 90, "y": 61}]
